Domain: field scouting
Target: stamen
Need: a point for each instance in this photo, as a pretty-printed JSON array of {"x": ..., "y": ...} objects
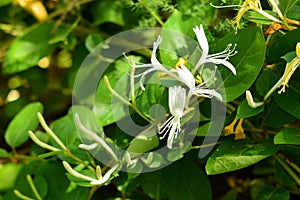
[
  {"x": 228, "y": 6},
  {"x": 165, "y": 128},
  {"x": 226, "y": 53}
]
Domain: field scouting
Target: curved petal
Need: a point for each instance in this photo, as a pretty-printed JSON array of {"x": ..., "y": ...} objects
[
  {"x": 201, "y": 37},
  {"x": 207, "y": 93},
  {"x": 177, "y": 96},
  {"x": 223, "y": 62},
  {"x": 156, "y": 64},
  {"x": 186, "y": 76}
]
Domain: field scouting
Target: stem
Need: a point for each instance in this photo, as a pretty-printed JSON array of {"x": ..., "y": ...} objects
[
  {"x": 205, "y": 145},
  {"x": 155, "y": 16},
  {"x": 288, "y": 169},
  {"x": 92, "y": 191},
  {"x": 132, "y": 105},
  {"x": 33, "y": 188}
]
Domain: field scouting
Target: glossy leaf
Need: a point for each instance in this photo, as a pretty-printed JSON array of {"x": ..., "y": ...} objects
[
  {"x": 275, "y": 116},
  {"x": 233, "y": 155},
  {"x": 245, "y": 111},
  {"x": 288, "y": 136},
  {"x": 27, "y": 50},
  {"x": 26, "y": 120},
  {"x": 265, "y": 82},
  {"x": 248, "y": 61},
  {"x": 289, "y": 100},
  {"x": 282, "y": 46}
]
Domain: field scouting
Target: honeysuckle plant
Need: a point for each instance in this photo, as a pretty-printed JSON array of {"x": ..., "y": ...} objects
[{"x": 81, "y": 121}]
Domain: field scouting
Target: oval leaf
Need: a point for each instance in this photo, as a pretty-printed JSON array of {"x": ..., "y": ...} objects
[
  {"x": 248, "y": 61},
  {"x": 26, "y": 120},
  {"x": 288, "y": 136},
  {"x": 233, "y": 155}
]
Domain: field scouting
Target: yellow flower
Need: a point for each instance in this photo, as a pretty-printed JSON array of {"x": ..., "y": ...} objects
[
  {"x": 255, "y": 6},
  {"x": 290, "y": 69},
  {"x": 237, "y": 130}
]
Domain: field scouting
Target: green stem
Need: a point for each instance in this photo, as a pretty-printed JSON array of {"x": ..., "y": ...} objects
[
  {"x": 155, "y": 16},
  {"x": 33, "y": 188},
  {"x": 132, "y": 105},
  {"x": 92, "y": 191},
  {"x": 205, "y": 145},
  {"x": 288, "y": 169}
]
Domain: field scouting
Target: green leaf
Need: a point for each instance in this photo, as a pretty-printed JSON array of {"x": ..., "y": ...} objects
[
  {"x": 107, "y": 108},
  {"x": 288, "y": 136},
  {"x": 272, "y": 193},
  {"x": 282, "y": 46},
  {"x": 177, "y": 153},
  {"x": 289, "y": 100},
  {"x": 275, "y": 116},
  {"x": 265, "y": 82},
  {"x": 92, "y": 41},
  {"x": 286, "y": 5},
  {"x": 111, "y": 11},
  {"x": 233, "y": 155},
  {"x": 188, "y": 179},
  {"x": 145, "y": 141},
  {"x": 293, "y": 13},
  {"x": 191, "y": 183},
  {"x": 149, "y": 100},
  {"x": 27, "y": 50},
  {"x": 258, "y": 18},
  {"x": 8, "y": 175},
  {"x": 177, "y": 39},
  {"x": 245, "y": 111},
  {"x": 248, "y": 61},
  {"x": 26, "y": 120}
]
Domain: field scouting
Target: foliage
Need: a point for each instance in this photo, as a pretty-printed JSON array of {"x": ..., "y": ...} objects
[{"x": 118, "y": 141}]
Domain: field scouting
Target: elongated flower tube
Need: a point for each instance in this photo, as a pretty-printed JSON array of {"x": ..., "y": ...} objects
[
  {"x": 155, "y": 65},
  {"x": 101, "y": 179},
  {"x": 177, "y": 96},
  {"x": 200, "y": 90},
  {"x": 217, "y": 58}
]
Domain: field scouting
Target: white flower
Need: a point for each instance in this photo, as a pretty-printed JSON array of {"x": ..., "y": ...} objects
[
  {"x": 217, "y": 58},
  {"x": 177, "y": 96},
  {"x": 154, "y": 66},
  {"x": 200, "y": 90}
]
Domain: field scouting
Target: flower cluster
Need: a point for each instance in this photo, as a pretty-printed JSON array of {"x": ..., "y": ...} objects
[{"x": 179, "y": 96}]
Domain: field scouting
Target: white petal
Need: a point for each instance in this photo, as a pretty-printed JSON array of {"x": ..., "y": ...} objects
[
  {"x": 177, "y": 96},
  {"x": 201, "y": 37},
  {"x": 156, "y": 64},
  {"x": 105, "y": 177},
  {"x": 186, "y": 76},
  {"x": 223, "y": 62},
  {"x": 207, "y": 93},
  {"x": 250, "y": 100}
]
